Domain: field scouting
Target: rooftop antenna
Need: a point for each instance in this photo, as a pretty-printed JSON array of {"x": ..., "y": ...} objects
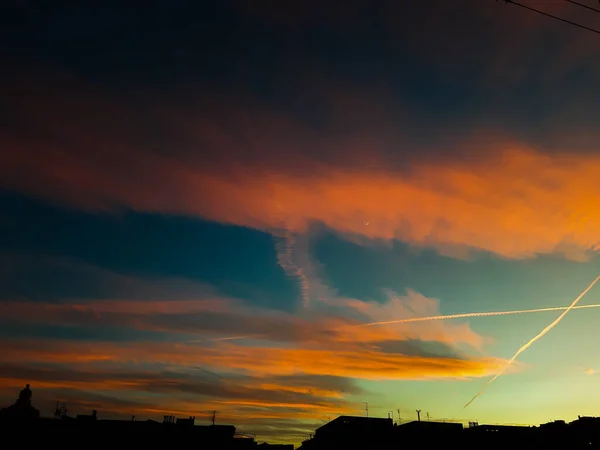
[
  {"x": 399, "y": 419},
  {"x": 427, "y": 417},
  {"x": 367, "y": 408},
  {"x": 391, "y": 415},
  {"x": 419, "y": 414},
  {"x": 214, "y": 415},
  {"x": 60, "y": 411}
]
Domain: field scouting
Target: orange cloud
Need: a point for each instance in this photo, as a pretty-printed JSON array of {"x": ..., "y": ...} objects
[
  {"x": 495, "y": 194},
  {"x": 352, "y": 362},
  {"x": 517, "y": 204},
  {"x": 285, "y": 385},
  {"x": 365, "y": 364}
]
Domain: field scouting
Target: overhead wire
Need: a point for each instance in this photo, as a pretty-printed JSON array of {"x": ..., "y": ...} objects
[
  {"x": 584, "y": 6},
  {"x": 593, "y": 30}
]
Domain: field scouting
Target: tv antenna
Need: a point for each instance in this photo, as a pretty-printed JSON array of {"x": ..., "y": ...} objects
[
  {"x": 367, "y": 408},
  {"x": 60, "y": 411},
  {"x": 419, "y": 414},
  {"x": 427, "y": 417},
  {"x": 214, "y": 415},
  {"x": 399, "y": 419}
]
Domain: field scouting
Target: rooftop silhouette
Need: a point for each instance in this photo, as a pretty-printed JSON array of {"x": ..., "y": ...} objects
[
  {"x": 21, "y": 419},
  {"x": 348, "y": 433},
  {"x": 22, "y": 407},
  {"x": 343, "y": 433}
]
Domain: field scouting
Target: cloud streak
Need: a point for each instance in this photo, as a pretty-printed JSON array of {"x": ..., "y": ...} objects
[
  {"x": 257, "y": 361},
  {"x": 475, "y": 314}
]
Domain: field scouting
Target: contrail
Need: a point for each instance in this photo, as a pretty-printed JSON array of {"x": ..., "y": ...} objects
[
  {"x": 227, "y": 338},
  {"x": 540, "y": 334},
  {"x": 476, "y": 314}
]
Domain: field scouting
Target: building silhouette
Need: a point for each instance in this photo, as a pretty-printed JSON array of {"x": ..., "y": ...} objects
[
  {"x": 22, "y": 425},
  {"x": 368, "y": 433},
  {"x": 22, "y": 407}
]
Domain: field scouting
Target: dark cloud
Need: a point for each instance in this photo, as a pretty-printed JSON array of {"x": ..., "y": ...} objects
[{"x": 59, "y": 277}]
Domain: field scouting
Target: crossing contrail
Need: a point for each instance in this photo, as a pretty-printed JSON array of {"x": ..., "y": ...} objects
[
  {"x": 540, "y": 334},
  {"x": 476, "y": 314}
]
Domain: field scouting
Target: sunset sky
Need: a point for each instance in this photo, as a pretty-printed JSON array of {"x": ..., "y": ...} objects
[{"x": 203, "y": 201}]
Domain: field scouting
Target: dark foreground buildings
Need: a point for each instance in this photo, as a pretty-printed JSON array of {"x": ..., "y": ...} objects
[
  {"x": 22, "y": 427},
  {"x": 350, "y": 433}
]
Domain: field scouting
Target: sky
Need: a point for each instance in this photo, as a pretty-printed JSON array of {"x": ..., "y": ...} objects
[{"x": 203, "y": 204}]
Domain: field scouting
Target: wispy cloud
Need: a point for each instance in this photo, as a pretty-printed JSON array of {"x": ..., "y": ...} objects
[
  {"x": 259, "y": 361},
  {"x": 287, "y": 367},
  {"x": 285, "y": 247},
  {"x": 225, "y": 319}
]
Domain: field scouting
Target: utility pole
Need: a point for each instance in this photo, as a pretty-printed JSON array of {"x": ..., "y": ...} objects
[
  {"x": 367, "y": 408},
  {"x": 419, "y": 414}
]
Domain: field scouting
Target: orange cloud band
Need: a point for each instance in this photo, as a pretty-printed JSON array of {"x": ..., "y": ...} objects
[
  {"x": 358, "y": 362},
  {"x": 517, "y": 202}
]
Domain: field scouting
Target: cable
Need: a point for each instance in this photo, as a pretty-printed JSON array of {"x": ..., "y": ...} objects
[
  {"x": 584, "y": 6},
  {"x": 554, "y": 17}
]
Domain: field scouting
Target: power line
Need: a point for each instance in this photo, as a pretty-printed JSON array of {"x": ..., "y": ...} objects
[
  {"x": 552, "y": 16},
  {"x": 584, "y": 6}
]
